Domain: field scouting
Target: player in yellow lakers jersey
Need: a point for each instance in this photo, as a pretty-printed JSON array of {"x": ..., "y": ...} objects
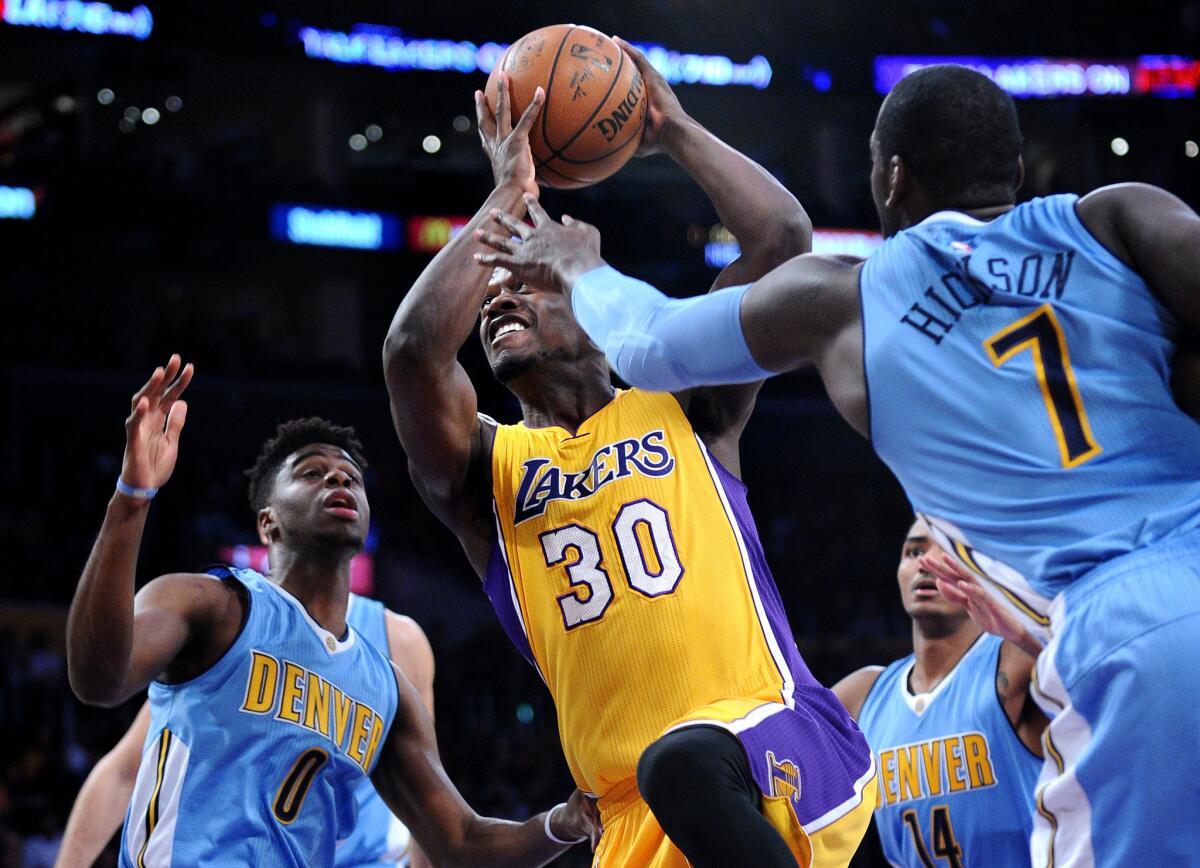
[{"x": 614, "y": 539}]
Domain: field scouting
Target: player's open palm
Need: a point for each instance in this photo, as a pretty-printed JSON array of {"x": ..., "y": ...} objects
[
  {"x": 959, "y": 585},
  {"x": 506, "y": 144},
  {"x": 548, "y": 254},
  {"x": 153, "y": 427},
  {"x": 662, "y": 108}
]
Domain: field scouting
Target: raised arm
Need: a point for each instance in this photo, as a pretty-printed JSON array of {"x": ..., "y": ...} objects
[
  {"x": 117, "y": 644},
  {"x": 805, "y": 311},
  {"x": 414, "y": 785},
  {"x": 433, "y": 402},
  {"x": 769, "y": 224},
  {"x": 100, "y": 806}
]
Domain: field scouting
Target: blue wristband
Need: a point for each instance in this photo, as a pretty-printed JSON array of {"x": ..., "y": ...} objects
[{"x": 137, "y": 493}]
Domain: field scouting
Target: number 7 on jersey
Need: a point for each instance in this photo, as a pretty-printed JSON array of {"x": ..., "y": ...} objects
[{"x": 1041, "y": 334}]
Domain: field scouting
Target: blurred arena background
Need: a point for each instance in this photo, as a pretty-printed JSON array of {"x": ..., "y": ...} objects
[{"x": 255, "y": 185}]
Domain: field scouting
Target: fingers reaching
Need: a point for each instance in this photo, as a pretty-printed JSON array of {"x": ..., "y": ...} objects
[
  {"x": 952, "y": 591},
  {"x": 503, "y": 112},
  {"x": 536, "y": 212},
  {"x": 484, "y": 118},
  {"x": 181, "y": 382},
  {"x": 531, "y": 113},
  {"x": 175, "y": 420},
  {"x": 503, "y": 243},
  {"x": 635, "y": 54},
  {"x": 511, "y": 223}
]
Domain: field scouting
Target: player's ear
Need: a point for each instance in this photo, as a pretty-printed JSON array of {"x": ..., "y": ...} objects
[
  {"x": 1020, "y": 179},
  {"x": 899, "y": 181},
  {"x": 268, "y": 528}
]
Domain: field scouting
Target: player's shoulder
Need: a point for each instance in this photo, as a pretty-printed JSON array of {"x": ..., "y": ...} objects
[
  {"x": 405, "y": 636},
  {"x": 852, "y": 690},
  {"x": 192, "y": 593}
]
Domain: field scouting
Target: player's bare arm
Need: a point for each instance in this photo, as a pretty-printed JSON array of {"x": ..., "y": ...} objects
[
  {"x": 411, "y": 653},
  {"x": 803, "y": 312},
  {"x": 100, "y": 806},
  {"x": 852, "y": 690},
  {"x": 1018, "y": 654},
  {"x": 1157, "y": 235},
  {"x": 412, "y": 782},
  {"x": 433, "y": 403},
  {"x": 770, "y": 225},
  {"x": 178, "y": 624}
]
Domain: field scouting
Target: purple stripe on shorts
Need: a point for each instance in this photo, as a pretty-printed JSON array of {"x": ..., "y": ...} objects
[
  {"x": 497, "y": 584},
  {"x": 813, "y": 753},
  {"x": 735, "y": 492}
]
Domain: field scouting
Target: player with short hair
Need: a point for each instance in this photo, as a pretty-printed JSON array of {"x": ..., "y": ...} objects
[
  {"x": 1013, "y": 365},
  {"x": 614, "y": 539},
  {"x": 379, "y": 837},
  {"x": 266, "y": 710},
  {"x": 955, "y": 732}
]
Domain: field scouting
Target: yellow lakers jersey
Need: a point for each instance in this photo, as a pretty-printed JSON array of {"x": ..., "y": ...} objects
[{"x": 627, "y": 568}]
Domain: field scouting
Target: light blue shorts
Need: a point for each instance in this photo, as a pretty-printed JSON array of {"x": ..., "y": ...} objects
[{"x": 1121, "y": 682}]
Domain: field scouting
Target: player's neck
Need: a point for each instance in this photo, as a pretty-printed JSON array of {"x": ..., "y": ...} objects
[
  {"x": 937, "y": 653},
  {"x": 319, "y": 579},
  {"x": 564, "y": 396},
  {"x": 984, "y": 213}
]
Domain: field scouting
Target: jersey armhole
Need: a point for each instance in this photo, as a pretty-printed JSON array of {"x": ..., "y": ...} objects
[
  {"x": 246, "y": 598},
  {"x": 1098, "y": 246},
  {"x": 1012, "y": 728},
  {"x": 862, "y": 706}
]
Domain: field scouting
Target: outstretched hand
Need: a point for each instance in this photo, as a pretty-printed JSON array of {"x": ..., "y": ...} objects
[
  {"x": 506, "y": 145},
  {"x": 959, "y": 585},
  {"x": 579, "y": 819},
  {"x": 663, "y": 111},
  {"x": 153, "y": 427},
  {"x": 548, "y": 254}
]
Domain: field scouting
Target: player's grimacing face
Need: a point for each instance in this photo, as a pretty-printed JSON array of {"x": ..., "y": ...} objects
[
  {"x": 520, "y": 325},
  {"x": 319, "y": 493}
]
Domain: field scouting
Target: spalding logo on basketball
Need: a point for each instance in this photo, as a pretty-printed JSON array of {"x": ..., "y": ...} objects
[{"x": 595, "y": 105}]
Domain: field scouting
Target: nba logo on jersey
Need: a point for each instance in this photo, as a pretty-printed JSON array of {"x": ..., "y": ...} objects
[
  {"x": 785, "y": 777},
  {"x": 961, "y": 246}
]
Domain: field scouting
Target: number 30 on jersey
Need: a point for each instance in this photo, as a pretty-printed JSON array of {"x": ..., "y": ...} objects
[{"x": 646, "y": 549}]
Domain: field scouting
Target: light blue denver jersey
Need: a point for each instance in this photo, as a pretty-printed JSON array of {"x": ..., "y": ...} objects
[
  {"x": 378, "y": 837},
  {"x": 1018, "y": 378},
  {"x": 255, "y": 762},
  {"x": 955, "y": 782}
]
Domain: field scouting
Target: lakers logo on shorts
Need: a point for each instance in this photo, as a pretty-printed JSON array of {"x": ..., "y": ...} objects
[{"x": 785, "y": 777}]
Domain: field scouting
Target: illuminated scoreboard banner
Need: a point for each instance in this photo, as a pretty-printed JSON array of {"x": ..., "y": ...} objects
[
  {"x": 1046, "y": 77},
  {"x": 17, "y": 203},
  {"x": 722, "y": 248},
  {"x": 77, "y": 16},
  {"x": 389, "y": 48},
  {"x": 335, "y": 227}
]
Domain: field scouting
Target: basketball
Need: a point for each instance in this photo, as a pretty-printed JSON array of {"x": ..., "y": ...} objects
[{"x": 591, "y": 122}]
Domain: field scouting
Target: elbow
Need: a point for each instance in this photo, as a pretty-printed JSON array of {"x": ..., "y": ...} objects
[
  {"x": 403, "y": 350},
  {"x": 92, "y": 688},
  {"x": 793, "y": 236}
]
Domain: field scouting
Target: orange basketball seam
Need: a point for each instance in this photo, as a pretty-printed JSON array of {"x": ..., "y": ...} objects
[
  {"x": 557, "y": 152},
  {"x": 550, "y": 86}
]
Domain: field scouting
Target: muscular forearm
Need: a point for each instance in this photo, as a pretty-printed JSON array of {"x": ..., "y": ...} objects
[
  {"x": 440, "y": 310},
  {"x": 100, "y": 623},
  {"x": 751, "y": 203},
  {"x": 505, "y": 844},
  {"x": 97, "y": 814}
]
